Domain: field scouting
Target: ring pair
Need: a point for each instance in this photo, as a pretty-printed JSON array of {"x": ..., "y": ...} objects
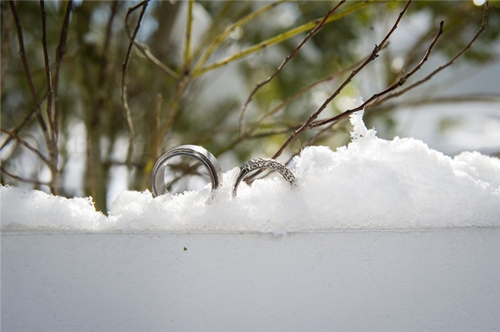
[{"x": 212, "y": 166}]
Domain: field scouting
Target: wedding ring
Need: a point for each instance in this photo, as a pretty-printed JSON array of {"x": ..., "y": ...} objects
[
  {"x": 260, "y": 163},
  {"x": 206, "y": 158}
]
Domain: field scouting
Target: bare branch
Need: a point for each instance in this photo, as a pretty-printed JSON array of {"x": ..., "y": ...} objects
[
  {"x": 23, "y": 142},
  {"x": 128, "y": 114},
  {"x": 156, "y": 133},
  {"x": 187, "y": 44},
  {"x": 144, "y": 49},
  {"x": 18, "y": 178},
  {"x": 372, "y": 57},
  {"x": 309, "y": 142},
  {"x": 300, "y": 93},
  {"x": 273, "y": 132},
  {"x": 283, "y": 64},
  {"x": 447, "y": 64},
  {"x": 22, "y": 54},
  {"x": 107, "y": 38},
  {"x": 375, "y": 96},
  {"x": 47, "y": 67},
  {"x": 256, "y": 125},
  {"x": 174, "y": 104},
  {"x": 25, "y": 121}
]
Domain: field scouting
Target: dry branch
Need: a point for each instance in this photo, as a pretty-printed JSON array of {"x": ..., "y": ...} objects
[
  {"x": 144, "y": 49},
  {"x": 384, "y": 95},
  {"x": 384, "y": 92},
  {"x": 47, "y": 68},
  {"x": 447, "y": 64},
  {"x": 283, "y": 64},
  {"x": 187, "y": 44},
  {"x": 18, "y": 178},
  {"x": 23, "y": 123},
  {"x": 27, "y": 71},
  {"x": 128, "y": 113},
  {"x": 372, "y": 57},
  {"x": 107, "y": 38},
  {"x": 23, "y": 142}
]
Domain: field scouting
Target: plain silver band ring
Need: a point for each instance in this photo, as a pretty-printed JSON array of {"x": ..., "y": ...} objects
[
  {"x": 259, "y": 163},
  {"x": 195, "y": 151}
]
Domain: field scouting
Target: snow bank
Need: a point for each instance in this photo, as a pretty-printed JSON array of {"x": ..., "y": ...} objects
[{"x": 370, "y": 184}]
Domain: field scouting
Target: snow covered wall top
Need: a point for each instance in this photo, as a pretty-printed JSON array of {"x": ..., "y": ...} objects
[{"x": 370, "y": 184}]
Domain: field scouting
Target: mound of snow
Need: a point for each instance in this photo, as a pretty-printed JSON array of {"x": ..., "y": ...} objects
[{"x": 370, "y": 184}]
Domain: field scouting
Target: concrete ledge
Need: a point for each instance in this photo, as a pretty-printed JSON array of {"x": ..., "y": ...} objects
[{"x": 340, "y": 280}]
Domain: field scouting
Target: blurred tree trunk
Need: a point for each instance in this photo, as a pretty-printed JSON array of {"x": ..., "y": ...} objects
[
  {"x": 160, "y": 45},
  {"x": 166, "y": 14},
  {"x": 98, "y": 112},
  {"x": 6, "y": 26}
]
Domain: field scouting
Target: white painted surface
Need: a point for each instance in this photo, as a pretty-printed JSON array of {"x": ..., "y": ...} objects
[{"x": 341, "y": 280}]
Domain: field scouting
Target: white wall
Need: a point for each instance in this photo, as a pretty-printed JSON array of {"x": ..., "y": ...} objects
[{"x": 342, "y": 280}]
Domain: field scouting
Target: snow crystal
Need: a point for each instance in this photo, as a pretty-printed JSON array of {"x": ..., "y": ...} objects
[{"x": 370, "y": 184}]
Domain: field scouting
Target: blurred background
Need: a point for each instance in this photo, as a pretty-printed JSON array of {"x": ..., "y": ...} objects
[{"x": 109, "y": 108}]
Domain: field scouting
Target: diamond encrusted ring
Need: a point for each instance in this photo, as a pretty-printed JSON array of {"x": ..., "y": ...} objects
[
  {"x": 206, "y": 158},
  {"x": 259, "y": 163}
]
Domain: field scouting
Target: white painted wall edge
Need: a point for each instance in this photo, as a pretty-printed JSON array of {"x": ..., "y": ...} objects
[{"x": 340, "y": 280}]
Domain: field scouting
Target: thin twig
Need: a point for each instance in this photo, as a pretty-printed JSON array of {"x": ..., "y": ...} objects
[
  {"x": 187, "y": 43},
  {"x": 128, "y": 114},
  {"x": 280, "y": 38},
  {"x": 300, "y": 93},
  {"x": 107, "y": 38},
  {"x": 310, "y": 141},
  {"x": 378, "y": 101},
  {"x": 60, "y": 51},
  {"x": 311, "y": 34},
  {"x": 92, "y": 182},
  {"x": 25, "y": 121},
  {"x": 23, "y": 142},
  {"x": 377, "y": 95},
  {"x": 217, "y": 41},
  {"x": 464, "y": 98},
  {"x": 174, "y": 104},
  {"x": 47, "y": 68},
  {"x": 211, "y": 33},
  {"x": 144, "y": 49},
  {"x": 372, "y": 57},
  {"x": 257, "y": 124},
  {"x": 404, "y": 78},
  {"x": 18, "y": 178},
  {"x": 447, "y": 64},
  {"x": 273, "y": 132},
  {"x": 156, "y": 133},
  {"x": 22, "y": 54}
]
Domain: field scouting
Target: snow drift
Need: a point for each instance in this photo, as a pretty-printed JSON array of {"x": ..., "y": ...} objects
[{"x": 370, "y": 184}]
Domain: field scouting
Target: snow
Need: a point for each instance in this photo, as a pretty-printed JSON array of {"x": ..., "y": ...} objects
[{"x": 371, "y": 183}]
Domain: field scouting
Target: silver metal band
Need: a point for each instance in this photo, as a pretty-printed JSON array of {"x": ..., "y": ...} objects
[
  {"x": 206, "y": 158},
  {"x": 259, "y": 163}
]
